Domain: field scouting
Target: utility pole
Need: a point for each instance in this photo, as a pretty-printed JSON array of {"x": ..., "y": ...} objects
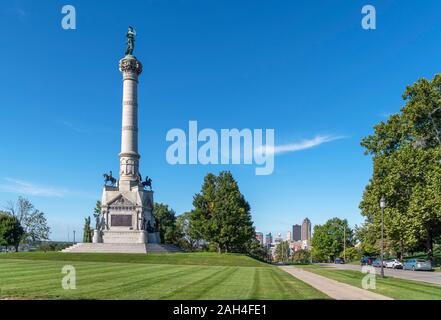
[
  {"x": 344, "y": 243},
  {"x": 382, "y": 206}
]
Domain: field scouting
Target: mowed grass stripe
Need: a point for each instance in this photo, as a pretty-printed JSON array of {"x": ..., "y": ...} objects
[
  {"x": 131, "y": 289},
  {"x": 49, "y": 270},
  {"x": 238, "y": 283},
  {"x": 38, "y": 283},
  {"x": 155, "y": 287},
  {"x": 190, "y": 280},
  {"x": 286, "y": 285},
  {"x": 197, "y": 258},
  {"x": 40, "y": 278},
  {"x": 40, "y": 268},
  {"x": 199, "y": 288}
]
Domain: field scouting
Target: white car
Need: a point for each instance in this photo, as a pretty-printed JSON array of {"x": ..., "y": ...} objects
[{"x": 394, "y": 264}]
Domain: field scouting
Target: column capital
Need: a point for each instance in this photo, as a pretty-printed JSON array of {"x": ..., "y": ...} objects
[{"x": 130, "y": 64}]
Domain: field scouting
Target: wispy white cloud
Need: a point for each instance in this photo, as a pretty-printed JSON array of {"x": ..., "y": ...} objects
[
  {"x": 28, "y": 188},
  {"x": 20, "y": 13},
  {"x": 71, "y": 126},
  {"x": 302, "y": 145}
]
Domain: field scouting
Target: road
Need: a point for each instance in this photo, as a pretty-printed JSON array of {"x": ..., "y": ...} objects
[
  {"x": 333, "y": 289},
  {"x": 426, "y": 276}
]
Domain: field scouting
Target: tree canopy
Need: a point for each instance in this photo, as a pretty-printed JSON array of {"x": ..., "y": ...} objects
[
  {"x": 222, "y": 214},
  {"x": 11, "y": 231},
  {"x": 406, "y": 151},
  {"x": 328, "y": 239},
  {"x": 32, "y": 220},
  {"x": 166, "y": 222}
]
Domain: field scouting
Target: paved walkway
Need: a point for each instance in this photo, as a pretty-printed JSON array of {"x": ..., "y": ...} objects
[{"x": 334, "y": 289}]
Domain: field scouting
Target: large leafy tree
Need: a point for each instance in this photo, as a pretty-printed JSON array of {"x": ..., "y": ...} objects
[
  {"x": 282, "y": 252},
  {"x": 301, "y": 256},
  {"x": 328, "y": 239},
  {"x": 166, "y": 222},
  {"x": 11, "y": 231},
  {"x": 32, "y": 220},
  {"x": 223, "y": 214},
  {"x": 188, "y": 231},
  {"x": 406, "y": 151}
]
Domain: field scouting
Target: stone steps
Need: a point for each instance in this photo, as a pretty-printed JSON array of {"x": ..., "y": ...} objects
[{"x": 121, "y": 248}]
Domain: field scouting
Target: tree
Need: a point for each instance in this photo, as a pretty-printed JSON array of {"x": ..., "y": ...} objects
[
  {"x": 328, "y": 239},
  {"x": 96, "y": 214},
  {"x": 11, "y": 231},
  {"x": 32, "y": 220},
  {"x": 223, "y": 214},
  {"x": 87, "y": 231},
  {"x": 301, "y": 256},
  {"x": 406, "y": 151},
  {"x": 368, "y": 236},
  {"x": 257, "y": 251},
  {"x": 282, "y": 253},
  {"x": 188, "y": 231},
  {"x": 351, "y": 254},
  {"x": 166, "y": 221}
]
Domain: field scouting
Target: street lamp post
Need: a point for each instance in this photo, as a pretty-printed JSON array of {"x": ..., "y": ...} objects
[{"x": 382, "y": 206}]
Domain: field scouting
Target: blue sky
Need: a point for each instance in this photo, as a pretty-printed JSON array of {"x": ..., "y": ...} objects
[{"x": 305, "y": 68}]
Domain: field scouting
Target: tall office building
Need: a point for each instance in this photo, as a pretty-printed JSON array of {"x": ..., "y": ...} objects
[
  {"x": 279, "y": 238},
  {"x": 296, "y": 232},
  {"x": 289, "y": 236},
  {"x": 268, "y": 238},
  {"x": 259, "y": 237},
  {"x": 306, "y": 229}
]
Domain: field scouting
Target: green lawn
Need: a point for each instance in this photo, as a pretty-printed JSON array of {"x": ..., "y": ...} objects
[
  {"x": 391, "y": 287},
  {"x": 151, "y": 276}
]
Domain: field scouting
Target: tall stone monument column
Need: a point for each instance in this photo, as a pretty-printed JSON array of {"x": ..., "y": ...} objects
[
  {"x": 126, "y": 204},
  {"x": 130, "y": 68}
]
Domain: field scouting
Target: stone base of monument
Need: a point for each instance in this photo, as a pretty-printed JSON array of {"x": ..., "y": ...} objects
[
  {"x": 130, "y": 236},
  {"x": 121, "y": 248}
]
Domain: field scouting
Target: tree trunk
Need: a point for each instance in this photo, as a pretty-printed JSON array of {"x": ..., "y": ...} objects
[
  {"x": 429, "y": 246},
  {"x": 401, "y": 249}
]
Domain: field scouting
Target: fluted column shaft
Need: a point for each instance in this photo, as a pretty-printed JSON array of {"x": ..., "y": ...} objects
[{"x": 130, "y": 68}]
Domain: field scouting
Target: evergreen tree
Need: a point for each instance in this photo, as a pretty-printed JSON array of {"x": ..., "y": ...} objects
[
  {"x": 97, "y": 213},
  {"x": 223, "y": 214},
  {"x": 87, "y": 231}
]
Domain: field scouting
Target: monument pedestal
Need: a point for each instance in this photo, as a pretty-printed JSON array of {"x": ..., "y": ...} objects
[{"x": 128, "y": 215}]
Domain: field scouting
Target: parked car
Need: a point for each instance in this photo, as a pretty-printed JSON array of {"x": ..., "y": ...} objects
[
  {"x": 394, "y": 264},
  {"x": 339, "y": 261},
  {"x": 377, "y": 263},
  {"x": 367, "y": 261},
  {"x": 417, "y": 264}
]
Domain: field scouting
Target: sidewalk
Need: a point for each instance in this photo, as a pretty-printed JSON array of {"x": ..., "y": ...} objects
[{"x": 334, "y": 289}]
